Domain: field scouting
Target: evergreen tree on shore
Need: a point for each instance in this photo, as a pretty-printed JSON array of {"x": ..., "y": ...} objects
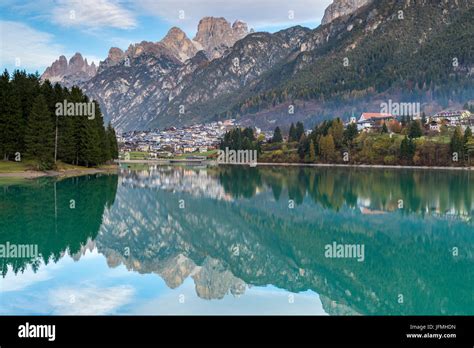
[
  {"x": 11, "y": 121},
  {"x": 299, "y": 130},
  {"x": 277, "y": 137},
  {"x": 457, "y": 143},
  {"x": 407, "y": 149},
  {"x": 292, "y": 134},
  {"x": 29, "y": 124},
  {"x": 111, "y": 142},
  {"x": 39, "y": 134}
]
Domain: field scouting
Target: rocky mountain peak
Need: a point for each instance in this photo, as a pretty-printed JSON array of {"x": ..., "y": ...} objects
[
  {"x": 77, "y": 70},
  {"x": 175, "y": 34},
  {"x": 56, "y": 70},
  {"x": 177, "y": 41},
  {"x": 115, "y": 54},
  {"x": 77, "y": 63},
  {"x": 240, "y": 28},
  {"x": 154, "y": 49},
  {"x": 216, "y": 35},
  {"x": 341, "y": 8}
]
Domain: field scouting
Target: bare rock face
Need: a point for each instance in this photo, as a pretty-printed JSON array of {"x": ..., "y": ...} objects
[
  {"x": 240, "y": 29},
  {"x": 75, "y": 72},
  {"x": 341, "y": 8},
  {"x": 215, "y": 35},
  {"x": 181, "y": 46},
  {"x": 150, "y": 49},
  {"x": 77, "y": 64},
  {"x": 115, "y": 56},
  {"x": 214, "y": 281},
  {"x": 56, "y": 71}
]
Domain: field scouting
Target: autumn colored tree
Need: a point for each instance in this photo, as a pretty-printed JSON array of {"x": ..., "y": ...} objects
[
  {"x": 312, "y": 152},
  {"x": 327, "y": 148}
]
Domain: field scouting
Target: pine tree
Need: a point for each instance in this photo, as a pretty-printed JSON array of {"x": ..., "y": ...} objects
[
  {"x": 88, "y": 137},
  {"x": 457, "y": 143},
  {"x": 277, "y": 137},
  {"x": 384, "y": 128},
  {"x": 414, "y": 130},
  {"x": 13, "y": 126},
  {"x": 29, "y": 124},
  {"x": 11, "y": 119},
  {"x": 407, "y": 149},
  {"x": 303, "y": 146},
  {"x": 299, "y": 130},
  {"x": 39, "y": 134},
  {"x": 249, "y": 134},
  {"x": 113, "y": 142},
  {"x": 350, "y": 133},
  {"x": 292, "y": 134},
  {"x": 467, "y": 134}
]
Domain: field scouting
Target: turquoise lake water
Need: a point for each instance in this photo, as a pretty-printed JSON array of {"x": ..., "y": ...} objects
[{"x": 240, "y": 240}]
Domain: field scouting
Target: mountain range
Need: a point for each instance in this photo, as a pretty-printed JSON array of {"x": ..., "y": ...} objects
[{"x": 364, "y": 53}]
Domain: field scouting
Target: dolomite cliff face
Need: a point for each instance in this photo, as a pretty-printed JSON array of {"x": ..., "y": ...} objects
[
  {"x": 341, "y": 8},
  {"x": 216, "y": 35},
  {"x": 76, "y": 71}
]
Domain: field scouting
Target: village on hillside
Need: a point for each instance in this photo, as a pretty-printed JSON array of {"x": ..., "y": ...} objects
[
  {"x": 203, "y": 138},
  {"x": 169, "y": 142}
]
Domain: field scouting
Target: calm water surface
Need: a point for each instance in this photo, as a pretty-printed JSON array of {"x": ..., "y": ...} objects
[{"x": 238, "y": 240}]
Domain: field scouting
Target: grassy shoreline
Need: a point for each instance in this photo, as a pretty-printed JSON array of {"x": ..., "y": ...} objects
[{"x": 25, "y": 170}]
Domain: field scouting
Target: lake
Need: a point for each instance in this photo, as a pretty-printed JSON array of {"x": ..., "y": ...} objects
[{"x": 240, "y": 240}]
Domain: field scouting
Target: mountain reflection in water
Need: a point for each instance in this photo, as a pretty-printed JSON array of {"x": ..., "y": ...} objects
[{"x": 234, "y": 228}]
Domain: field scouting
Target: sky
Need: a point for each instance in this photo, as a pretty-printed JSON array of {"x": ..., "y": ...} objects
[
  {"x": 35, "y": 33},
  {"x": 90, "y": 287}
]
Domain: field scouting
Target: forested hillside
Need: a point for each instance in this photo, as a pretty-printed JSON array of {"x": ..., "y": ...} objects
[{"x": 419, "y": 51}]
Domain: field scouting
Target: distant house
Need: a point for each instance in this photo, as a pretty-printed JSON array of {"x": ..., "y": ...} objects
[
  {"x": 434, "y": 126},
  {"x": 369, "y": 120},
  {"x": 453, "y": 117},
  {"x": 352, "y": 120},
  {"x": 188, "y": 149},
  {"x": 144, "y": 147}
]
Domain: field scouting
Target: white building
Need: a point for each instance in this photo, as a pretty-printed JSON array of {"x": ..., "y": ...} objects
[{"x": 369, "y": 120}]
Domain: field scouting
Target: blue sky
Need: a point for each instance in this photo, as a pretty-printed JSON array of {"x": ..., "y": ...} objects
[
  {"x": 35, "y": 33},
  {"x": 91, "y": 287}
]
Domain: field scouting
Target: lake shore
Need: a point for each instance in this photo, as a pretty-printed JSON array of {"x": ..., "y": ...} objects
[
  {"x": 376, "y": 166},
  {"x": 328, "y": 165},
  {"x": 33, "y": 174}
]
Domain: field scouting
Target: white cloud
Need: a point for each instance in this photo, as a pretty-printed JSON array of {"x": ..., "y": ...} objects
[
  {"x": 257, "y": 13},
  {"x": 89, "y": 300},
  {"x": 20, "y": 281},
  {"x": 31, "y": 48},
  {"x": 92, "y": 14}
]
